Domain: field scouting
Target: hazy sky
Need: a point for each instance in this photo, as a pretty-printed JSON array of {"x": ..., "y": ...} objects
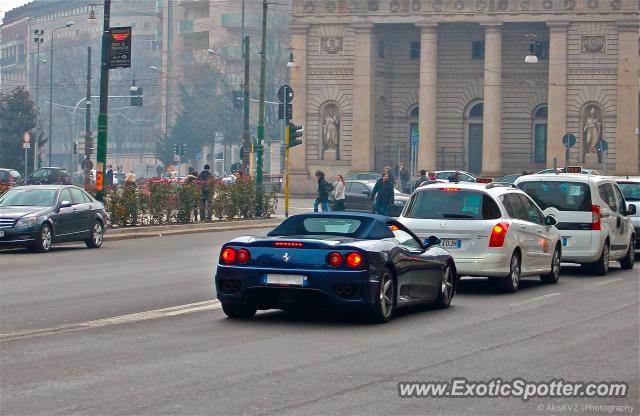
[{"x": 6, "y": 5}]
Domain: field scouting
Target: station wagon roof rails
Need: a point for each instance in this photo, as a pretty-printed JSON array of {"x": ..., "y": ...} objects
[{"x": 500, "y": 185}]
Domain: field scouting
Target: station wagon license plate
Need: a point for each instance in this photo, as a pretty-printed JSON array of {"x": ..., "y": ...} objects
[
  {"x": 286, "y": 279},
  {"x": 450, "y": 243}
]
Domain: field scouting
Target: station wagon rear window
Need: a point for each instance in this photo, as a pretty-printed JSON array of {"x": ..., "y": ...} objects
[
  {"x": 563, "y": 196},
  {"x": 450, "y": 203}
]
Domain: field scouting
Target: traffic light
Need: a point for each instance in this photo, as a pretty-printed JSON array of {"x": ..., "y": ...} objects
[
  {"x": 75, "y": 148},
  {"x": 295, "y": 131},
  {"x": 183, "y": 149},
  {"x": 176, "y": 149},
  {"x": 136, "y": 96}
]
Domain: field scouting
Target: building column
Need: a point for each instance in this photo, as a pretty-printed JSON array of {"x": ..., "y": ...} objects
[
  {"x": 492, "y": 120},
  {"x": 362, "y": 141},
  {"x": 300, "y": 181},
  {"x": 428, "y": 94},
  {"x": 557, "y": 95},
  {"x": 627, "y": 115}
]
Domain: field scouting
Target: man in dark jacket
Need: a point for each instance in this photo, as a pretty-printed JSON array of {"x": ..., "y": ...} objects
[
  {"x": 108, "y": 177},
  {"x": 404, "y": 175},
  {"x": 383, "y": 194},
  {"x": 324, "y": 189},
  {"x": 203, "y": 178}
]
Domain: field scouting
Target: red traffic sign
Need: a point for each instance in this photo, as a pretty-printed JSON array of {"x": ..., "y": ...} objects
[{"x": 26, "y": 137}]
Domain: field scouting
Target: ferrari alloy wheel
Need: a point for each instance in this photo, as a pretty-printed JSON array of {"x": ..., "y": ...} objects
[
  {"x": 511, "y": 283},
  {"x": 238, "y": 310},
  {"x": 630, "y": 258},
  {"x": 554, "y": 273},
  {"x": 385, "y": 299},
  {"x": 447, "y": 288},
  {"x": 44, "y": 240},
  {"x": 97, "y": 236}
]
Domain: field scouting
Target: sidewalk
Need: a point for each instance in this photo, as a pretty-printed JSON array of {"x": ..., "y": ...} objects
[{"x": 178, "y": 229}]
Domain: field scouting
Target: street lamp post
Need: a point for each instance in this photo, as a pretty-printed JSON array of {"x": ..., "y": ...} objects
[
  {"x": 38, "y": 41},
  {"x": 69, "y": 24}
]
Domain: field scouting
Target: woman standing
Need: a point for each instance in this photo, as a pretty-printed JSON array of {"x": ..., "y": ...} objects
[{"x": 338, "y": 193}]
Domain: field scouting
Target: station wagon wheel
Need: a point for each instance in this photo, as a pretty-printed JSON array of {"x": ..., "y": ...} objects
[
  {"x": 629, "y": 260},
  {"x": 97, "y": 236},
  {"x": 385, "y": 298},
  {"x": 447, "y": 288},
  {"x": 601, "y": 267},
  {"x": 511, "y": 283},
  {"x": 554, "y": 274}
]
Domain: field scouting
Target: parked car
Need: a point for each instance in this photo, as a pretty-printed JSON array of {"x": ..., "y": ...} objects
[
  {"x": 37, "y": 216},
  {"x": 363, "y": 176},
  {"x": 490, "y": 230},
  {"x": 9, "y": 177},
  {"x": 358, "y": 197},
  {"x": 630, "y": 188},
  {"x": 464, "y": 176},
  {"x": 509, "y": 178},
  {"x": 592, "y": 215},
  {"x": 351, "y": 261},
  {"x": 48, "y": 176}
]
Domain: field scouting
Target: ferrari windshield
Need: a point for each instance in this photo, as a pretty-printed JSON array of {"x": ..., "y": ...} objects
[
  {"x": 28, "y": 198},
  {"x": 360, "y": 226}
]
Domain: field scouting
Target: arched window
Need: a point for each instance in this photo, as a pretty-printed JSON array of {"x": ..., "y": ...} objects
[
  {"x": 414, "y": 112},
  {"x": 540, "y": 114},
  {"x": 473, "y": 133},
  {"x": 477, "y": 111}
]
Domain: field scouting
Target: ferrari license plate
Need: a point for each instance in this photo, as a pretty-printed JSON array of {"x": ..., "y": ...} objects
[
  {"x": 450, "y": 243},
  {"x": 286, "y": 279}
]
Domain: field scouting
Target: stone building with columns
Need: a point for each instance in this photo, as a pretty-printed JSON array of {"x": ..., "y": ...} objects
[{"x": 444, "y": 83}]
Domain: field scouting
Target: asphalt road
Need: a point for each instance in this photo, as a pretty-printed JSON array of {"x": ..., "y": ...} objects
[{"x": 192, "y": 360}]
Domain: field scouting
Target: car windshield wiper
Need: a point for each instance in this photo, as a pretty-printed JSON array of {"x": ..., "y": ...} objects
[{"x": 457, "y": 216}]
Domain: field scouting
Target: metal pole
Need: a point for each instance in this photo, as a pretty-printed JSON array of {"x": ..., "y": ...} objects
[
  {"x": 51, "y": 98},
  {"x": 101, "y": 157},
  {"x": 246, "y": 134},
  {"x": 36, "y": 154},
  {"x": 26, "y": 155},
  {"x": 87, "y": 126},
  {"x": 259, "y": 150},
  {"x": 287, "y": 141}
]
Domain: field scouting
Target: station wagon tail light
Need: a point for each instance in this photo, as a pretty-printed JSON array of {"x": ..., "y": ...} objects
[
  {"x": 334, "y": 259},
  {"x": 243, "y": 255},
  {"x": 228, "y": 255},
  {"x": 354, "y": 259},
  {"x": 595, "y": 217},
  {"x": 288, "y": 244},
  {"x": 498, "y": 234}
]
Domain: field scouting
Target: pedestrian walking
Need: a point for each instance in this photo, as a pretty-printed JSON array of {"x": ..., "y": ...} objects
[
  {"x": 432, "y": 176},
  {"x": 388, "y": 171},
  {"x": 108, "y": 176},
  {"x": 130, "y": 179},
  {"x": 404, "y": 175},
  {"x": 383, "y": 195},
  {"x": 205, "y": 208},
  {"x": 455, "y": 177},
  {"x": 338, "y": 194},
  {"x": 422, "y": 178},
  {"x": 324, "y": 189}
]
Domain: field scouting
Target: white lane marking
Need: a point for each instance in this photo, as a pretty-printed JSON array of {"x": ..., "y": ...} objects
[
  {"x": 537, "y": 298},
  {"x": 606, "y": 282},
  {"x": 115, "y": 320}
]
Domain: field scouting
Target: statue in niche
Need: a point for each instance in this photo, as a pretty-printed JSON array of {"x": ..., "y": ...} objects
[
  {"x": 330, "y": 132},
  {"x": 592, "y": 131}
]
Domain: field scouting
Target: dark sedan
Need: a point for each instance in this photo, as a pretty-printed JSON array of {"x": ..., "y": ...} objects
[
  {"x": 355, "y": 262},
  {"x": 48, "y": 176},
  {"x": 37, "y": 216},
  {"x": 358, "y": 197}
]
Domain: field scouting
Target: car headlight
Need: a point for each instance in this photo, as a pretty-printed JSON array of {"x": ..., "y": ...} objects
[{"x": 26, "y": 222}]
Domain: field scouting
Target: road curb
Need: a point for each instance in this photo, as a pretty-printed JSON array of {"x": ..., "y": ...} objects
[{"x": 160, "y": 231}]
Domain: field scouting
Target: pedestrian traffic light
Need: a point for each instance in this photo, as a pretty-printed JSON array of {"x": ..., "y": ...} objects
[
  {"x": 176, "y": 149},
  {"x": 183, "y": 149},
  {"x": 136, "y": 95},
  {"x": 75, "y": 148},
  {"x": 295, "y": 131}
]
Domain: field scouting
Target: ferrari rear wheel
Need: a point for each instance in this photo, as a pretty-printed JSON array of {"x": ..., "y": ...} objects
[
  {"x": 447, "y": 288},
  {"x": 385, "y": 298},
  {"x": 238, "y": 310}
]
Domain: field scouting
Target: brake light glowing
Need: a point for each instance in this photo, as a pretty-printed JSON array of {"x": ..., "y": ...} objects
[
  {"x": 287, "y": 244},
  {"x": 334, "y": 259},
  {"x": 354, "y": 259},
  {"x": 595, "y": 217},
  {"x": 228, "y": 255},
  {"x": 243, "y": 255},
  {"x": 498, "y": 234},
  {"x": 449, "y": 189}
]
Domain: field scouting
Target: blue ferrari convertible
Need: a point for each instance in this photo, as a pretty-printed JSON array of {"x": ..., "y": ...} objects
[{"x": 350, "y": 261}]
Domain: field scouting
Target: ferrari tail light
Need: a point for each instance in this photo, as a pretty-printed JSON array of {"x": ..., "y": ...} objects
[
  {"x": 354, "y": 259},
  {"x": 243, "y": 255},
  {"x": 334, "y": 259},
  {"x": 228, "y": 255},
  {"x": 498, "y": 234},
  {"x": 288, "y": 244},
  {"x": 595, "y": 218}
]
